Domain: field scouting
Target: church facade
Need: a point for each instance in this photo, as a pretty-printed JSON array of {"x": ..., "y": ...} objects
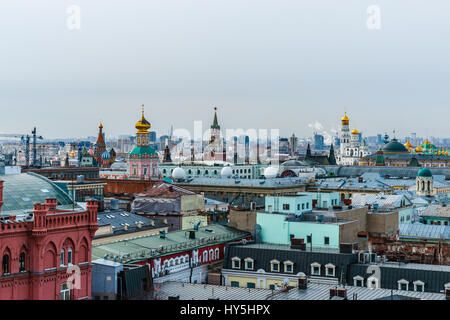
[{"x": 142, "y": 161}]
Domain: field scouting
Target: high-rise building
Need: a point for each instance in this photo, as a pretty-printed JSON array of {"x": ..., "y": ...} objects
[{"x": 318, "y": 142}]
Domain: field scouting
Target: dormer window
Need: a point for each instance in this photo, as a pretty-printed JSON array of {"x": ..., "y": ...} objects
[
  {"x": 249, "y": 263},
  {"x": 236, "y": 263},
  {"x": 358, "y": 281},
  {"x": 419, "y": 286},
  {"x": 288, "y": 266},
  {"x": 403, "y": 284},
  {"x": 274, "y": 265},
  {"x": 330, "y": 270},
  {"x": 315, "y": 269}
]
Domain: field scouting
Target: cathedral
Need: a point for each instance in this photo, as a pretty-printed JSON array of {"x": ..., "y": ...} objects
[
  {"x": 351, "y": 149},
  {"x": 142, "y": 161}
]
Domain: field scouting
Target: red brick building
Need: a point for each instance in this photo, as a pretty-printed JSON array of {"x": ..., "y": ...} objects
[{"x": 46, "y": 254}]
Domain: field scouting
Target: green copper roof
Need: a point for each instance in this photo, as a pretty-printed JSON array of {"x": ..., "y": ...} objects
[
  {"x": 395, "y": 147},
  {"x": 424, "y": 172},
  {"x": 140, "y": 151}
]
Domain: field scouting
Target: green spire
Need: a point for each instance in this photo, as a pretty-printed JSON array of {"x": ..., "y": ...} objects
[{"x": 215, "y": 124}]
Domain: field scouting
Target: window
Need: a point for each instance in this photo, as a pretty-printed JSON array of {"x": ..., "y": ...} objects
[
  {"x": 5, "y": 263},
  {"x": 307, "y": 205},
  {"x": 285, "y": 206},
  {"x": 308, "y": 239},
  {"x": 275, "y": 266},
  {"x": 326, "y": 240},
  {"x": 403, "y": 284},
  {"x": 330, "y": 270},
  {"x": 303, "y": 206},
  {"x": 205, "y": 256},
  {"x": 288, "y": 266},
  {"x": 236, "y": 263},
  {"x": 419, "y": 286},
  {"x": 65, "y": 291},
  {"x": 251, "y": 285},
  {"x": 61, "y": 258},
  {"x": 234, "y": 283},
  {"x": 272, "y": 287},
  {"x": 358, "y": 281},
  {"x": 69, "y": 256},
  {"x": 22, "y": 262},
  {"x": 248, "y": 263},
  {"x": 315, "y": 269}
]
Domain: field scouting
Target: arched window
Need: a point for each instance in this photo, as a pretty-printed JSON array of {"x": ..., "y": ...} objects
[
  {"x": 22, "y": 262},
  {"x": 205, "y": 256},
  {"x": 5, "y": 263},
  {"x": 61, "y": 258},
  {"x": 429, "y": 185},
  {"x": 69, "y": 256}
]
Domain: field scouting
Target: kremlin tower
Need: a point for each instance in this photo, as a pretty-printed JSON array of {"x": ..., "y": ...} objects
[
  {"x": 100, "y": 145},
  {"x": 142, "y": 161},
  {"x": 214, "y": 150}
]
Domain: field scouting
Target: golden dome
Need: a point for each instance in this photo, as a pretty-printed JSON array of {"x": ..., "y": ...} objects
[
  {"x": 143, "y": 125},
  {"x": 427, "y": 142},
  {"x": 100, "y": 126},
  {"x": 355, "y": 131},
  {"x": 418, "y": 149},
  {"x": 345, "y": 120},
  {"x": 408, "y": 144},
  {"x": 72, "y": 154}
]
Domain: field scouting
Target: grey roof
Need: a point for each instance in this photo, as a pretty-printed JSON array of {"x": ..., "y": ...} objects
[
  {"x": 435, "y": 277},
  {"x": 390, "y": 171},
  {"x": 436, "y": 211},
  {"x": 315, "y": 291},
  {"x": 254, "y": 183},
  {"x": 263, "y": 254},
  {"x": 424, "y": 231},
  {"x": 119, "y": 218},
  {"x": 383, "y": 201}
]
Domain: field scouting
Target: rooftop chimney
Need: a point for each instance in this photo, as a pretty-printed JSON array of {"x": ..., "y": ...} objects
[{"x": 302, "y": 283}]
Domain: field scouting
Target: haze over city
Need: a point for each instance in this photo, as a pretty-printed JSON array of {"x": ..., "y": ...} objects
[{"x": 264, "y": 64}]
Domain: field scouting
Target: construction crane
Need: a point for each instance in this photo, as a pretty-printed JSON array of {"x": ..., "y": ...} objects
[{"x": 25, "y": 138}]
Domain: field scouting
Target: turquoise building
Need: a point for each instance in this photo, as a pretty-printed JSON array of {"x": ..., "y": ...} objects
[
  {"x": 297, "y": 204},
  {"x": 278, "y": 228},
  {"x": 323, "y": 200}
]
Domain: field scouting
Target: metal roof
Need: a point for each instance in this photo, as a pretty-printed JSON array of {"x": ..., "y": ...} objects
[
  {"x": 424, "y": 231},
  {"x": 314, "y": 291}
]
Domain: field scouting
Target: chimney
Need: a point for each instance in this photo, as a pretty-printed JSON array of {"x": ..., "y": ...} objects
[
  {"x": 139, "y": 224},
  {"x": 125, "y": 227},
  {"x": 447, "y": 293},
  {"x": 1, "y": 195},
  {"x": 342, "y": 293},
  {"x": 247, "y": 150},
  {"x": 302, "y": 283},
  {"x": 152, "y": 223}
]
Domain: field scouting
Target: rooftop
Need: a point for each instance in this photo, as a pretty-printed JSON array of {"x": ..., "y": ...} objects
[
  {"x": 145, "y": 247},
  {"x": 315, "y": 291}
]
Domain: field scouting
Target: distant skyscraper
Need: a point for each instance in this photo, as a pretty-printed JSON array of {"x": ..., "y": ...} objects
[
  {"x": 293, "y": 145},
  {"x": 152, "y": 137},
  {"x": 318, "y": 142}
]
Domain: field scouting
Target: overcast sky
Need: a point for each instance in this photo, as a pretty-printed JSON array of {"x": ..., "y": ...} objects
[{"x": 264, "y": 64}]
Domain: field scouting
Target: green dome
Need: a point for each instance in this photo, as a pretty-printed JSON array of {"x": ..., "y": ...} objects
[
  {"x": 138, "y": 152},
  {"x": 395, "y": 147},
  {"x": 424, "y": 172}
]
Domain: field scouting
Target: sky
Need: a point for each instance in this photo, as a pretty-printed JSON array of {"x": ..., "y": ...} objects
[{"x": 289, "y": 65}]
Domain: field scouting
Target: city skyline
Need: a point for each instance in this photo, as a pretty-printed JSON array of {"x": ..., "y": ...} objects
[{"x": 277, "y": 65}]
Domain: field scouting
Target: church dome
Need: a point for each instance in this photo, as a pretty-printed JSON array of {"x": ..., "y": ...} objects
[
  {"x": 424, "y": 172},
  {"x": 106, "y": 155},
  {"x": 394, "y": 147},
  {"x": 178, "y": 174},
  {"x": 355, "y": 131},
  {"x": 226, "y": 172},
  {"x": 345, "y": 120},
  {"x": 143, "y": 125},
  {"x": 270, "y": 172}
]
